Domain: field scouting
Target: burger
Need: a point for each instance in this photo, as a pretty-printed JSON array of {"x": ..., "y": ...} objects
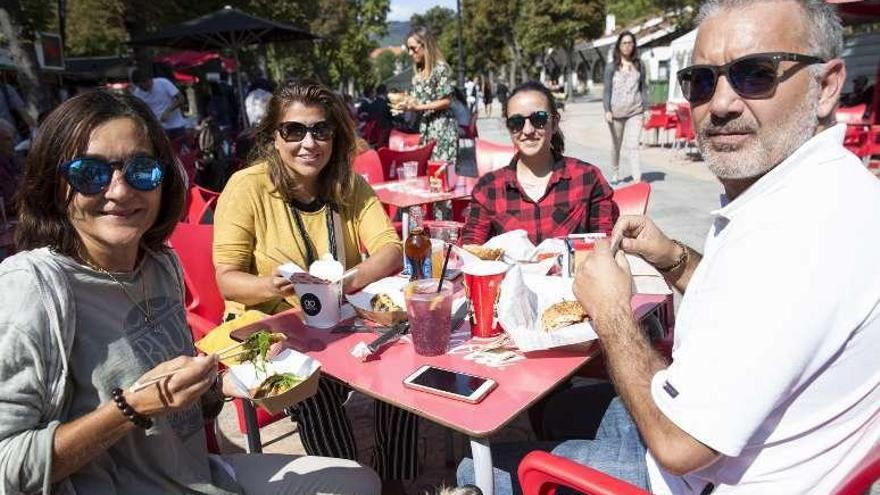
[
  {"x": 562, "y": 314},
  {"x": 484, "y": 253}
]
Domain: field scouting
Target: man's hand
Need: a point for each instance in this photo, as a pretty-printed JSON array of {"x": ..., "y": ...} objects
[
  {"x": 638, "y": 235},
  {"x": 603, "y": 283}
]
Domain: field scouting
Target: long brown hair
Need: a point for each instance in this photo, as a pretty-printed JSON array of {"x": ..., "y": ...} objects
[
  {"x": 336, "y": 180},
  {"x": 433, "y": 55},
  {"x": 42, "y": 201},
  {"x": 618, "y": 55}
]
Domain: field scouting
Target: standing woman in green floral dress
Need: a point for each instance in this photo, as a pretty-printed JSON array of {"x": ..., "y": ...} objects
[{"x": 432, "y": 92}]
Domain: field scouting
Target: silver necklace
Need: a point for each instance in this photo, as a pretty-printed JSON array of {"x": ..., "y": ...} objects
[{"x": 147, "y": 312}]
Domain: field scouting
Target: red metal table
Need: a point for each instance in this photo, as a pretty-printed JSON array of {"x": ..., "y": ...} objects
[{"x": 520, "y": 384}]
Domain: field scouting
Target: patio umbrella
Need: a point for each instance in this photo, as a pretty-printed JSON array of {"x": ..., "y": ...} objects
[
  {"x": 228, "y": 28},
  {"x": 857, "y": 11}
]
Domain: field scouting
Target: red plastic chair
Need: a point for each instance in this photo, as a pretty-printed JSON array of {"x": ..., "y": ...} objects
[
  {"x": 188, "y": 160},
  {"x": 369, "y": 165},
  {"x": 540, "y": 473},
  {"x": 399, "y": 140},
  {"x": 205, "y": 308},
  {"x": 492, "y": 156},
  {"x": 200, "y": 201},
  {"x": 657, "y": 120},
  {"x": 392, "y": 158},
  {"x": 633, "y": 199},
  {"x": 684, "y": 131}
]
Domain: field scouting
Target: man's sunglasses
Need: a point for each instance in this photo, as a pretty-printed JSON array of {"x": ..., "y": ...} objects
[
  {"x": 294, "y": 132},
  {"x": 91, "y": 175},
  {"x": 539, "y": 119},
  {"x": 753, "y": 76}
]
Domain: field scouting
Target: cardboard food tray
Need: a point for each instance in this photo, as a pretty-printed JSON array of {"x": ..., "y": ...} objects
[
  {"x": 361, "y": 301},
  {"x": 523, "y": 300},
  {"x": 245, "y": 376},
  {"x": 221, "y": 337}
]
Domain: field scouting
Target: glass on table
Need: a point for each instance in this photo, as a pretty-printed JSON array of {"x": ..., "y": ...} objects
[
  {"x": 430, "y": 315},
  {"x": 410, "y": 170},
  {"x": 445, "y": 231}
]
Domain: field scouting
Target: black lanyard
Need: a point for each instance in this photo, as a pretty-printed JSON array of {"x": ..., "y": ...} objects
[{"x": 311, "y": 251}]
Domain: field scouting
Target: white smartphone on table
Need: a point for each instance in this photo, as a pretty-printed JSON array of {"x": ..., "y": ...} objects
[{"x": 450, "y": 383}]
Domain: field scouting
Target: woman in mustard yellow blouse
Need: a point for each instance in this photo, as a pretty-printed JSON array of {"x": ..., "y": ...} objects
[{"x": 297, "y": 202}]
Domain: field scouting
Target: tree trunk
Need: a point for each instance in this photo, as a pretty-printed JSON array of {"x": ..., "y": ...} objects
[
  {"x": 135, "y": 26},
  {"x": 21, "y": 48},
  {"x": 569, "y": 79}
]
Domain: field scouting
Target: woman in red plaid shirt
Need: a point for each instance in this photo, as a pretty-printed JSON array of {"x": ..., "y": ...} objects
[{"x": 541, "y": 191}]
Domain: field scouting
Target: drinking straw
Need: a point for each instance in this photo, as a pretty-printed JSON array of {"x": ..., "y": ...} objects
[{"x": 445, "y": 264}]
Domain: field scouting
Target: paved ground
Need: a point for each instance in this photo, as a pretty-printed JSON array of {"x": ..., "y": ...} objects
[{"x": 683, "y": 194}]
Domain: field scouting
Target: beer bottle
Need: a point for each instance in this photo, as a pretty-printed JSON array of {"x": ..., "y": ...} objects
[{"x": 417, "y": 248}]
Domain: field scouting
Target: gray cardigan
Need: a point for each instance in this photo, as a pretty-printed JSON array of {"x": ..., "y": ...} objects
[{"x": 609, "y": 81}]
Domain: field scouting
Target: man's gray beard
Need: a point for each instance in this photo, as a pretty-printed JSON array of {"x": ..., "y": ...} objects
[{"x": 770, "y": 145}]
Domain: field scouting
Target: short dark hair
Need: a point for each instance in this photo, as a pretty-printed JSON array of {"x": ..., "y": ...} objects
[
  {"x": 138, "y": 76},
  {"x": 557, "y": 142},
  {"x": 42, "y": 201},
  {"x": 335, "y": 182},
  {"x": 381, "y": 89}
]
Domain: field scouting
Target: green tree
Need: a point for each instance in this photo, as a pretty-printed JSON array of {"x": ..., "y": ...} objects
[
  {"x": 17, "y": 24},
  {"x": 384, "y": 64},
  {"x": 559, "y": 23}
]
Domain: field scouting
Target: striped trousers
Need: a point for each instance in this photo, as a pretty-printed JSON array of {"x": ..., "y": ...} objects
[{"x": 325, "y": 430}]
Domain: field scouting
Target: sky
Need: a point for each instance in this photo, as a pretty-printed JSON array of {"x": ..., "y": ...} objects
[{"x": 402, "y": 10}]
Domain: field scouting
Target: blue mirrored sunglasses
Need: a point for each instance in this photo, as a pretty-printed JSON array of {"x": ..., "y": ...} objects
[{"x": 91, "y": 175}]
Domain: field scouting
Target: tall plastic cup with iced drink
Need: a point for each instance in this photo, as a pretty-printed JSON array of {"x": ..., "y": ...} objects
[{"x": 430, "y": 315}]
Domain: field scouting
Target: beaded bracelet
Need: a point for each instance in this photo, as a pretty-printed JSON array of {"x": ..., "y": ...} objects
[
  {"x": 138, "y": 419},
  {"x": 682, "y": 260}
]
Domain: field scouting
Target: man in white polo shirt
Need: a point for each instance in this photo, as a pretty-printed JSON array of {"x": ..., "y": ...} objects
[
  {"x": 774, "y": 382},
  {"x": 163, "y": 98}
]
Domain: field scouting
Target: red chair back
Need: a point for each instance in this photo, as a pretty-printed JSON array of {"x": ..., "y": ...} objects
[
  {"x": 193, "y": 244},
  {"x": 860, "y": 479},
  {"x": 633, "y": 199},
  {"x": 399, "y": 140},
  {"x": 685, "y": 129},
  {"x": 492, "y": 156},
  {"x": 200, "y": 201},
  {"x": 369, "y": 165},
  {"x": 391, "y": 158},
  {"x": 540, "y": 473}
]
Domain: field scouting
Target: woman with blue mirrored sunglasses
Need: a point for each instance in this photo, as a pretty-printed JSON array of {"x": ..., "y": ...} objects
[{"x": 90, "y": 175}]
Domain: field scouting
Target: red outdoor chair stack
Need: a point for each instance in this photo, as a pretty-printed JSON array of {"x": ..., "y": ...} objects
[
  {"x": 658, "y": 120},
  {"x": 684, "y": 131},
  {"x": 205, "y": 308},
  {"x": 540, "y": 473}
]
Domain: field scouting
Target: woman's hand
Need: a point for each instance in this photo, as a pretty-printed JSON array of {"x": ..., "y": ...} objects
[
  {"x": 279, "y": 285},
  {"x": 192, "y": 377},
  {"x": 609, "y": 117}
]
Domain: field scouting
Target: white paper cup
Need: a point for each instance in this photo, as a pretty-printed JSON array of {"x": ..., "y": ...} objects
[{"x": 320, "y": 303}]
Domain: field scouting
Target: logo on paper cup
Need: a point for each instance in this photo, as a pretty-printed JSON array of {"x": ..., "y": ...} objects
[{"x": 310, "y": 304}]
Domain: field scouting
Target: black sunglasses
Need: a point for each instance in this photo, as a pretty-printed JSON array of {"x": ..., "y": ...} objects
[
  {"x": 90, "y": 175},
  {"x": 294, "y": 132},
  {"x": 752, "y": 76},
  {"x": 539, "y": 119}
]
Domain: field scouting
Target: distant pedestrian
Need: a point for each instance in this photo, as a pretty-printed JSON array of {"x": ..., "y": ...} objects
[
  {"x": 163, "y": 98},
  {"x": 625, "y": 101},
  {"x": 501, "y": 92},
  {"x": 487, "y": 97}
]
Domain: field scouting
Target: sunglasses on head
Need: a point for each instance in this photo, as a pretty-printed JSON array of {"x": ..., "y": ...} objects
[
  {"x": 539, "y": 119},
  {"x": 91, "y": 175},
  {"x": 753, "y": 76},
  {"x": 294, "y": 132}
]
